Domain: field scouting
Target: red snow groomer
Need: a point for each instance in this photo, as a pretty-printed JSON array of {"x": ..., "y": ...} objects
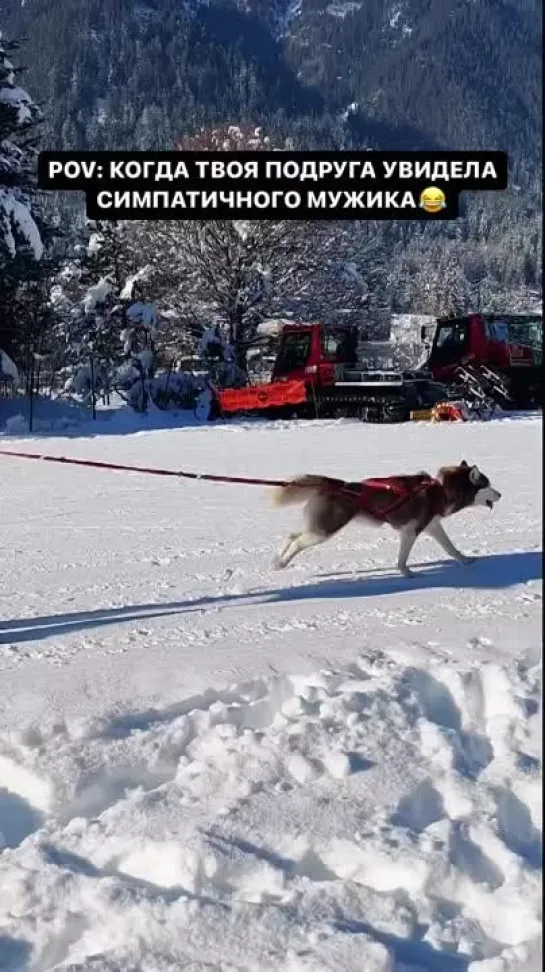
[
  {"x": 483, "y": 359},
  {"x": 494, "y": 356},
  {"x": 316, "y": 374}
]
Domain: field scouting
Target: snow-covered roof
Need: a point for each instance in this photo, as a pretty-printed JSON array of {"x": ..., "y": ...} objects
[{"x": 271, "y": 327}]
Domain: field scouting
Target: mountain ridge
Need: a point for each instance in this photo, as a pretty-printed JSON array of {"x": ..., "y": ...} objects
[{"x": 384, "y": 73}]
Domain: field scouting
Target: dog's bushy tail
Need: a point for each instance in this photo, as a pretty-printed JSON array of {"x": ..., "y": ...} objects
[{"x": 299, "y": 489}]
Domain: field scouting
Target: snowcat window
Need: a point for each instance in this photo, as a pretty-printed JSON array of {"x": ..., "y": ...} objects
[
  {"x": 347, "y": 349},
  {"x": 451, "y": 337},
  {"x": 294, "y": 353},
  {"x": 332, "y": 346},
  {"x": 527, "y": 332},
  {"x": 498, "y": 331},
  {"x": 451, "y": 340}
]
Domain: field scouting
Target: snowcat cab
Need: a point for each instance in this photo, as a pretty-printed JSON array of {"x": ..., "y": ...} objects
[{"x": 310, "y": 352}]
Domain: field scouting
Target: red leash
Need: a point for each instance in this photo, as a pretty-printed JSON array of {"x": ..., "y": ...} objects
[
  {"x": 180, "y": 474},
  {"x": 401, "y": 495}
]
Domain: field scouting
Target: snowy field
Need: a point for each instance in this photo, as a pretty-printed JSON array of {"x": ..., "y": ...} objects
[{"x": 207, "y": 766}]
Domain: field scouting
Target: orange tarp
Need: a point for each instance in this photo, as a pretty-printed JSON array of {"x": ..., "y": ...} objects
[{"x": 274, "y": 395}]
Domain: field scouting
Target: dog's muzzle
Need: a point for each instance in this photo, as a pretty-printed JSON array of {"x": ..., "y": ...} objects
[{"x": 490, "y": 502}]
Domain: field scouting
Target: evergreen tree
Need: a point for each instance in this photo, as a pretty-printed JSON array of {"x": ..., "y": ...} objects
[
  {"x": 21, "y": 247},
  {"x": 27, "y": 261},
  {"x": 105, "y": 328},
  {"x": 18, "y": 117}
]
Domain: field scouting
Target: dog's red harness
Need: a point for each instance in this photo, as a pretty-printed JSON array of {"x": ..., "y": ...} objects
[{"x": 399, "y": 488}]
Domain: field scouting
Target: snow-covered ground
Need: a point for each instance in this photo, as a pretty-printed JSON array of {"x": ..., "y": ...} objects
[{"x": 207, "y": 766}]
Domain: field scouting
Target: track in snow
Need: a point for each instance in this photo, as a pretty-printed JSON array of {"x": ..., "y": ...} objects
[{"x": 364, "y": 791}]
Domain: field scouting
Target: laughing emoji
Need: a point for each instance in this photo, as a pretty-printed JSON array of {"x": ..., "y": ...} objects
[{"x": 432, "y": 200}]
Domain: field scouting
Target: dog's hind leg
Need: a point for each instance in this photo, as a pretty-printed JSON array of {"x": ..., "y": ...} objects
[
  {"x": 295, "y": 544},
  {"x": 406, "y": 543},
  {"x": 437, "y": 531}
]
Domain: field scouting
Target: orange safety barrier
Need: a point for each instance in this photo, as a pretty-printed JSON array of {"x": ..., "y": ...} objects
[{"x": 277, "y": 394}]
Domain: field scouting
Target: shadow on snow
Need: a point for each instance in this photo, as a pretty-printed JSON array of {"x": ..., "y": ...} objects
[{"x": 492, "y": 572}]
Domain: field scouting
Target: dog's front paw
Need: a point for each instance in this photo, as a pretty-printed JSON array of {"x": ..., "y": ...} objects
[
  {"x": 407, "y": 572},
  {"x": 467, "y": 560},
  {"x": 278, "y": 564}
]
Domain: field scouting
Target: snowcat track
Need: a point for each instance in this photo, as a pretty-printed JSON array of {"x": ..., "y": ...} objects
[{"x": 368, "y": 408}]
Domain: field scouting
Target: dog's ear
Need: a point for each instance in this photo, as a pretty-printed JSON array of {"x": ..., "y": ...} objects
[
  {"x": 474, "y": 475},
  {"x": 463, "y": 464}
]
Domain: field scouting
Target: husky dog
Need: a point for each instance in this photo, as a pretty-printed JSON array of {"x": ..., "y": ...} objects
[{"x": 410, "y": 504}]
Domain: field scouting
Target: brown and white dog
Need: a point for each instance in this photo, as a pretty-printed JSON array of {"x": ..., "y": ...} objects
[{"x": 410, "y": 504}]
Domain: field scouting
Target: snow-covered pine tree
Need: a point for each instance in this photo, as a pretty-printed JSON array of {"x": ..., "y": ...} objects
[
  {"x": 21, "y": 246},
  {"x": 106, "y": 326},
  {"x": 27, "y": 258},
  {"x": 19, "y": 232},
  {"x": 112, "y": 261},
  {"x": 106, "y": 252},
  {"x": 88, "y": 340},
  {"x": 454, "y": 293}
]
